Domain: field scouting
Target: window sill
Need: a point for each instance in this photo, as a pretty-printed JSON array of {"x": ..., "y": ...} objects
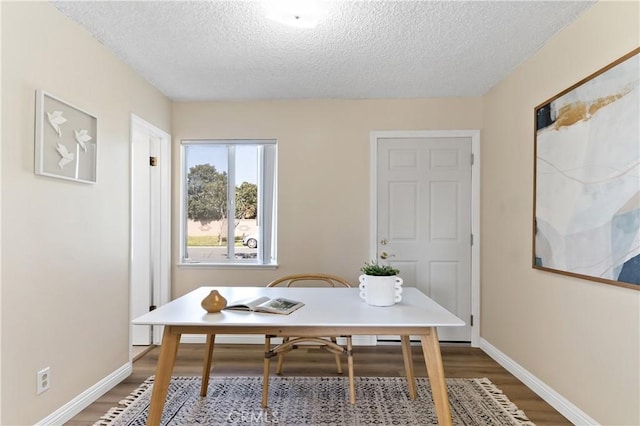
[{"x": 227, "y": 265}]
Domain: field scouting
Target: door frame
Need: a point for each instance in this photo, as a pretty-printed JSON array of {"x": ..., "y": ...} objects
[
  {"x": 162, "y": 286},
  {"x": 475, "y": 205}
]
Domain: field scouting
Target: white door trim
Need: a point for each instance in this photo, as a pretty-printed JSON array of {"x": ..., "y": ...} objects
[
  {"x": 475, "y": 206},
  {"x": 162, "y": 286}
]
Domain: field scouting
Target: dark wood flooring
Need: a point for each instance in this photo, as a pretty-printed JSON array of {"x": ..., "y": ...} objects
[{"x": 460, "y": 361}]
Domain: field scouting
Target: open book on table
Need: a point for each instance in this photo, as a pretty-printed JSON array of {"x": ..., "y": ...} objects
[{"x": 278, "y": 305}]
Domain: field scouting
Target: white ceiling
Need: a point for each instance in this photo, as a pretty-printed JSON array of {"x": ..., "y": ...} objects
[{"x": 228, "y": 50}]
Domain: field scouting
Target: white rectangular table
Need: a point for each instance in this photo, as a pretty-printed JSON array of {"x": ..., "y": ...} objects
[{"x": 327, "y": 312}]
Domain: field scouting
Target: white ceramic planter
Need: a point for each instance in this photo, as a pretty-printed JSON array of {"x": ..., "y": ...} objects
[{"x": 380, "y": 291}]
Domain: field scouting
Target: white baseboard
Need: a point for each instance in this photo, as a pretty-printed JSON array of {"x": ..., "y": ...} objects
[
  {"x": 258, "y": 339},
  {"x": 86, "y": 398},
  {"x": 553, "y": 398}
]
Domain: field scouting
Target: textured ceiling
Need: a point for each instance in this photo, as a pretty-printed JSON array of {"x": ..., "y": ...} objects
[{"x": 223, "y": 50}]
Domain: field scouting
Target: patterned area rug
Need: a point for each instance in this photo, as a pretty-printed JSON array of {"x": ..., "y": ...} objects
[{"x": 317, "y": 401}]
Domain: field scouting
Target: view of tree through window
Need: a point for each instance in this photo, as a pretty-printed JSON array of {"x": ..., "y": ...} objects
[{"x": 225, "y": 184}]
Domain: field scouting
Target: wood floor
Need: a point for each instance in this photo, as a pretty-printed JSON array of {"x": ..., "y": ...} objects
[{"x": 385, "y": 360}]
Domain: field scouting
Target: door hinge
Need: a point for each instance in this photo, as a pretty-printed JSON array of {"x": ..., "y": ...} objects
[
  {"x": 471, "y": 321},
  {"x": 473, "y": 159},
  {"x": 153, "y": 161},
  {"x": 152, "y": 308},
  {"x": 471, "y": 239}
]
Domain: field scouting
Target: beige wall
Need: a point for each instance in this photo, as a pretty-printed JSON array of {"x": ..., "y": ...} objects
[
  {"x": 323, "y": 173},
  {"x": 580, "y": 337},
  {"x": 65, "y": 245}
]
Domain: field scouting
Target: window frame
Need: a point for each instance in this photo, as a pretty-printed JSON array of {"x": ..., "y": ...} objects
[{"x": 267, "y": 203}]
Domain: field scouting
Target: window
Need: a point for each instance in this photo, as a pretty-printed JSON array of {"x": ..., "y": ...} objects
[{"x": 228, "y": 207}]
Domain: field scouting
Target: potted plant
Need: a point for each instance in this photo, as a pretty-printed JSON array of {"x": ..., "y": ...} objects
[
  {"x": 377, "y": 270},
  {"x": 380, "y": 285}
]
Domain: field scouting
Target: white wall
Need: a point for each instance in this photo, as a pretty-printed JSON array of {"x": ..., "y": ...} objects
[
  {"x": 323, "y": 173},
  {"x": 581, "y": 338},
  {"x": 65, "y": 245}
]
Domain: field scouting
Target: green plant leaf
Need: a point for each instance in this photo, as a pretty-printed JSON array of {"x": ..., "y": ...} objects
[{"x": 375, "y": 269}]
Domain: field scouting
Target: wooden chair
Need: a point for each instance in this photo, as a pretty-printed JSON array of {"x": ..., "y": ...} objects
[{"x": 291, "y": 343}]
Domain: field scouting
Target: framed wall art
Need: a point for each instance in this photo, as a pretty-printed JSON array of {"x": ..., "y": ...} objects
[
  {"x": 66, "y": 140},
  {"x": 587, "y": 177}
]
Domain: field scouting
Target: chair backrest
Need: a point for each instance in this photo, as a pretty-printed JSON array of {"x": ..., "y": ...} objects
[{"x": 324, "y": 279}]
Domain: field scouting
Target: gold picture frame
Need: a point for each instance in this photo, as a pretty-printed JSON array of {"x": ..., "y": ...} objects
[{"x": 586, "y": 218}]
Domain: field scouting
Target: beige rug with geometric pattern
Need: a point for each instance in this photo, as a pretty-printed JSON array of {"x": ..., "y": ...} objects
[{"x": 317, "y": 401}]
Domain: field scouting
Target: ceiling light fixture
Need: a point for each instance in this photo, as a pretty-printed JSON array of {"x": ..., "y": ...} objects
[{"x": 296, "y": 13}]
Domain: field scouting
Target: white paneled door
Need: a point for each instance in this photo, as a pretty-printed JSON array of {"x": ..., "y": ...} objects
[
  {"x": 423, "y": 228},
  {"x": 150, "y": 225}
]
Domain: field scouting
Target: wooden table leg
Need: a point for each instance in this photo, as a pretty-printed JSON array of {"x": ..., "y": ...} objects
[
  {"x": 408, "y": 366},
  {"x": 352, "y": 385},
  {"x": 206, "y": 369},
  {"x": 167, "y": 359},
  {"x": 435, "y": 369}
]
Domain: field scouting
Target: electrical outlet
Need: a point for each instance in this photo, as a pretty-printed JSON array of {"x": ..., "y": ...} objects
[{"x": 44, "y": 380}]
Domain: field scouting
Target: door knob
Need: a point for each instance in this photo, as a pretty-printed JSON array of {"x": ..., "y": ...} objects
[{"x": 385, "y": 255}]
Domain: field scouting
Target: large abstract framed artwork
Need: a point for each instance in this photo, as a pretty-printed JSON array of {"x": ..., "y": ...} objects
[
  {"x": 66, "y": 146},
  {"x": 587, "y": 177}
]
